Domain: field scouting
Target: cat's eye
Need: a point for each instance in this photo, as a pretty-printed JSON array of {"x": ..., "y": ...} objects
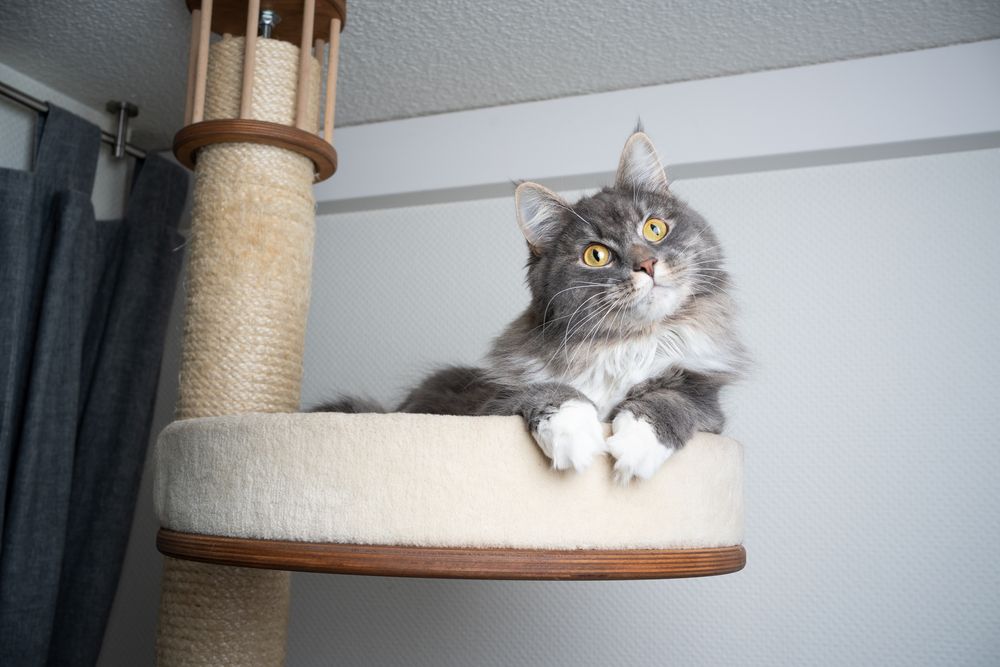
[
  {"x": 655, "y": 229},
  {"x": 596, "y": 255}
]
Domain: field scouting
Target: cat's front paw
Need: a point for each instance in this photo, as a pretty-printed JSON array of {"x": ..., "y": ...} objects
[
  {"x": 637, "y": 450},
  {"x": 571, "y": 436}
]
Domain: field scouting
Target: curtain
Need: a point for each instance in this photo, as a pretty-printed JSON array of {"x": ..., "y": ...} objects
[{"x": 83, "y": 313}]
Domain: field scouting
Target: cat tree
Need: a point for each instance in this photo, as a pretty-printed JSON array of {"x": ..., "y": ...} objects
[{"x": 246, "y": 490}]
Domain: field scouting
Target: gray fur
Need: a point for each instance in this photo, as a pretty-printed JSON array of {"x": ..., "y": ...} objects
[
  {"x": 350, "y": 405},
  {"x": 580, "y": 317},
  {"x": 455, "y": 390}
]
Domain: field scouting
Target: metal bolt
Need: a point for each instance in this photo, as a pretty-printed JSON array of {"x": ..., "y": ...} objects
[{"x": 269, "y": 19}]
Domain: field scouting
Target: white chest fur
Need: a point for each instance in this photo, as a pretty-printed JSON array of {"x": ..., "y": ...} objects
[{"x": 614, "y": 369}]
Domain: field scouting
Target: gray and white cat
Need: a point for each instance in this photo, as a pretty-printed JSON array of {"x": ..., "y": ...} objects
[{"x": 630, "y": 320}]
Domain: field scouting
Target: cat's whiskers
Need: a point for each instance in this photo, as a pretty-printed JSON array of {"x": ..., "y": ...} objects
[
  {"x": 707, "y": 286},
  {"x": 695, "y": 267},
  {"x": 699, "y": 261},
  {"x": 702, "y": 253},
  {"x": 577, "y": 347},
  {"x": 704, "y": 266},
  {"x": 708, "y": 276},
  {"x": 706, "y": 272},
  {"x": 691, "y": 242},
  {"x": 597, "y": 308},
  {"x": 551, "y": 322},
  {"x": 583, "y": 286},
  {"x": 611, "y": 327},
  {"x": 671, "y": 340},
  {"x": 589, "y": 338},
  {"x": 548, "y": 323},
  {"x": 571, "y": 330},
  {"x": 570, "y": 209},
  {"x": 623, "y": 305}
]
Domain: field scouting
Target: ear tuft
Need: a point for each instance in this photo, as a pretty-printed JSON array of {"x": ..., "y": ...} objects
[
  {"x": 639, "y": 167},
  {"x": 538, "y": 213}
]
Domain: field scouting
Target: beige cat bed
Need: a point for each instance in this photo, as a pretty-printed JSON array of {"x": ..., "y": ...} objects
[
  {"x": 354, "y": 493},
  {"x": 256, "y": 495}
]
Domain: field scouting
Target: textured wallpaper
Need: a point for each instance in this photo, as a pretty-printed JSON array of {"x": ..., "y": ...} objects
[{"x": 872, "y": 434}]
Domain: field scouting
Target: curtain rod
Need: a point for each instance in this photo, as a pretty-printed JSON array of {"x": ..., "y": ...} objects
[{"x": 36, "y": 104}]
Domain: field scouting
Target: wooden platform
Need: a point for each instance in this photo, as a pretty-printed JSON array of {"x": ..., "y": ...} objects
[{"x": 453, "y": 563}]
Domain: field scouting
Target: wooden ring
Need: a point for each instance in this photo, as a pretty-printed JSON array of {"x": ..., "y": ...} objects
[
  {"x": 243, "y": 130},
  {"x": 452, "y": 562}
]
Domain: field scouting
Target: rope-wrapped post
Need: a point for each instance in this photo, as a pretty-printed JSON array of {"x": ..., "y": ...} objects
[{"x": 254, "y": 148}]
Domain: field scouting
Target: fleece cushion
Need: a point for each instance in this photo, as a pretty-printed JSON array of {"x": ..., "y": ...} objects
[{"x": 423, "y": 480}]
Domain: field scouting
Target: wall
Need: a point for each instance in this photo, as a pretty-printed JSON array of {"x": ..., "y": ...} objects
[{"x": 870, "y": 422}]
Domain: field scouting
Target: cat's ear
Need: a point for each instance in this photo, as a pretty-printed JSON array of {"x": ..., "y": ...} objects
[
  {"x": 640, "y": 167},
  {"x": 538, "y": 214}
]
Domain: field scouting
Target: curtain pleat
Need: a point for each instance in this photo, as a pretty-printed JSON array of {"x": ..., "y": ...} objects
[
  {"x": 83, "y": 314},
  {"x": 122, "y": 391}
]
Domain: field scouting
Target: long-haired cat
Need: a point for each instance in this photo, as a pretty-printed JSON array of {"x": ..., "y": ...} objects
[{"x": 630, "y": 320}]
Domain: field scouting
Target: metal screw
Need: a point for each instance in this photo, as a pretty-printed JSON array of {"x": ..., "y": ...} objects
[
  {"x": 269, "y": 19},
  {"x": 125, "y": 110}
]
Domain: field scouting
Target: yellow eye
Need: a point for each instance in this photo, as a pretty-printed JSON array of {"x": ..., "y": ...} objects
[
  {"x": 596, "y": 255},
  {"x": 655, "y": 229}
]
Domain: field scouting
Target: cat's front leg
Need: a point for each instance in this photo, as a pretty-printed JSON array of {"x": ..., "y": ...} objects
[
  {"x": 570, "y": 434},
  {"x": 657, "y": 418},
  {"x": 562, "y": 421},
  {"x": 636, "y": 447}
]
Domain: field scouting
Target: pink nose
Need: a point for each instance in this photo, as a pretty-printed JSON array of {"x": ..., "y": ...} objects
[{"x": 646, "y": 266}]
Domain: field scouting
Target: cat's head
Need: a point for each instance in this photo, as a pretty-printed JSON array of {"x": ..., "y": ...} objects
[{"x": 625, "y": 258}]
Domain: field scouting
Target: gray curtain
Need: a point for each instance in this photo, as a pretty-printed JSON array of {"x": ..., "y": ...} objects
[{"x": 83, "y": 313}]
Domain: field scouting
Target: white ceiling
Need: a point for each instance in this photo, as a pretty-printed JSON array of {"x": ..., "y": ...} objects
[{"x": 403, "y": 59}]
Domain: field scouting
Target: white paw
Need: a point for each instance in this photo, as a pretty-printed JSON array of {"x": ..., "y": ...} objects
[
  {"x": 637, "y": 450},
  {"x": 571, "y": 436}
]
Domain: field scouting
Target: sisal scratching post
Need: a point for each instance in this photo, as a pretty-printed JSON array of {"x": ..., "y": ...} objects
[
  {"x": 251, "y": 250},
  {"x": 252, "y": 140}
]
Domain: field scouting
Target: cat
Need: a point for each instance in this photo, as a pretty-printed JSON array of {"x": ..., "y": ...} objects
[{"x": 631, "y": 319}]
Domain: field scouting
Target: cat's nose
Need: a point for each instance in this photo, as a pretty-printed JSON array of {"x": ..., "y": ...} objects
[{"x": 645, "y": 265}]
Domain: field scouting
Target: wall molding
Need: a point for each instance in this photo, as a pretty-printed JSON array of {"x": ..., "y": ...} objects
[{"x": 916, "y": 103}]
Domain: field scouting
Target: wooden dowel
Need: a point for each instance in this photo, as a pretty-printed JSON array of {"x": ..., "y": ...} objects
[
  {"x": 320, "y": 55},
  {"x": 198, "y": 111},
  {"x": 331, "y": 80},
  {"x": 192, "y": 64},
  {"x": 305, "y": 53},
  {"x": 249, "y": 58}
]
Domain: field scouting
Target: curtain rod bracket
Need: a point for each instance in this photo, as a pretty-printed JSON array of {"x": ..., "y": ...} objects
[{"x": 124, "y": 110}]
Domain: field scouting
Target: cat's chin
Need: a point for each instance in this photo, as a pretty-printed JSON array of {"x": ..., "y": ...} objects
[{"x": 659, "y": 303}]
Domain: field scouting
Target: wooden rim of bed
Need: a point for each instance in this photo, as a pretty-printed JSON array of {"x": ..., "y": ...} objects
[{"x": 453, "y": 562}]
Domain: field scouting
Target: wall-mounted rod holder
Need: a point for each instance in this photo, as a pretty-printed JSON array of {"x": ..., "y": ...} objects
[
  {"x": 124, "y": 111},
  {"x": 26, "y": 100}
]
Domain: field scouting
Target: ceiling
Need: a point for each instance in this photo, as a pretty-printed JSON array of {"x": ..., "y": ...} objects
[{"x": 408, "y": 58}]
